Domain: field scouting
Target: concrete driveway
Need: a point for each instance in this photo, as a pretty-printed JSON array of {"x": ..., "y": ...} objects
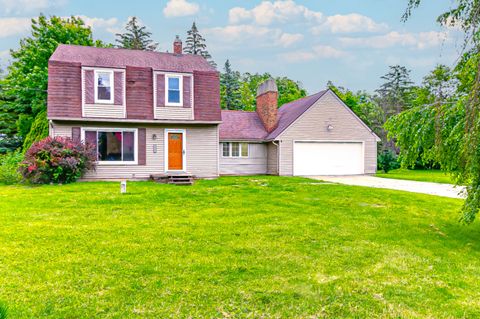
[{"x": 437, "y": 189}]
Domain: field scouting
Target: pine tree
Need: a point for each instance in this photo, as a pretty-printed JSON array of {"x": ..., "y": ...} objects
[
  {"x": 195, "y": 44},
  {"x": 136, "y": 37},
  {"x": 396, "y": 90},
  {"x": 230, "y": 88}
]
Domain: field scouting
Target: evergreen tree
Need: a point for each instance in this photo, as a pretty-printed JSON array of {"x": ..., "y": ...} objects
[
  {"x": 195, "y": 44},
  {"x": 136, "y": 37},
  {"x": 396, "y": 90},
  {"x": 230, "y": 88}
]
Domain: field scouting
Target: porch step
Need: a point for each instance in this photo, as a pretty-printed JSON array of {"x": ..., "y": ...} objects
[
  {"x": 180, "y": 179},
  {"x": 173, "y": 178}
]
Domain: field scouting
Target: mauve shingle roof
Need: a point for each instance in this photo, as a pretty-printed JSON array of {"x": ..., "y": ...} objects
[
  {"x": 120, "y": 58},
  {"x": 240, "y": 125}
]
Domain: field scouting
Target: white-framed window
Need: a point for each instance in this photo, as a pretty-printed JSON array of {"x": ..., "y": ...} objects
[
  {"x": 234, "y": 149},
  {"x": 114, "y": 146},
  {"x": 173, "y": 90},
  {"x": 104, "y": 86}
]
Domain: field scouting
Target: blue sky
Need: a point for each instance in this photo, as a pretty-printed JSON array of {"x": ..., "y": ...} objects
[{"x": 351, "y": 42}]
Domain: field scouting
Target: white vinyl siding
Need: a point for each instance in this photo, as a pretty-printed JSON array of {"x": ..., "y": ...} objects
[
  {"x": 312, "y": 126},
  {"x": 202, "y": 156},
  {"x": 254, "y": 164}
]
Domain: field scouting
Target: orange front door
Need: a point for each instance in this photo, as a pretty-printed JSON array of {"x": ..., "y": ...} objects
[{"x": 175, "y": 151}]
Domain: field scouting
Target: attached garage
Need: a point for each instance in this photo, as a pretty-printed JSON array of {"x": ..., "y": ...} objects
[{"x": 328, "y": 158}]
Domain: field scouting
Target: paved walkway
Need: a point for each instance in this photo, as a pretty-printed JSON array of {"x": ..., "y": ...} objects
[{"x": 437, "y": 189}]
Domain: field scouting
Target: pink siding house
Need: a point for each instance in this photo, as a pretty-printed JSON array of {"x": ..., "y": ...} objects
[{"x": 153, "y": 113}]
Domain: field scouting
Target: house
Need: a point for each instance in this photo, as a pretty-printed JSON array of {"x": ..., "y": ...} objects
[{"x": 159, "y": 113}]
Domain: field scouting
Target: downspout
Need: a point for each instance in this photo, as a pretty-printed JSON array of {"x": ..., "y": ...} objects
[
  {"x": 51, "y": 130},
  {"x": 278, "y": 156}
]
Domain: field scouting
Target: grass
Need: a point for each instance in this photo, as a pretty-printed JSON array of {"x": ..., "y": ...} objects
[
  {"x": 422, "y": 175},
  {"x": 252, "y": 247}
]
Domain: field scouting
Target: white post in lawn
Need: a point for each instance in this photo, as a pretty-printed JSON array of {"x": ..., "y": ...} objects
[{"x": 123, "y": 187}]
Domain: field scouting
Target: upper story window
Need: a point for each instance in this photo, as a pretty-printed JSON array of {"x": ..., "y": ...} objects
[
  {"x": 104, "y": 86},
  {"x": 173, "y": 90},
  {"x": 233, "y": 149}
]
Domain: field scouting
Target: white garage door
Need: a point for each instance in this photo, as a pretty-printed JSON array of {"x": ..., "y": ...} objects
[{"x": 328, "y": 158}]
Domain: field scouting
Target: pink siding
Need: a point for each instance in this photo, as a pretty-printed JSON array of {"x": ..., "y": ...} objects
[
  {"x": 118, "y": 87},
  {"x": 186, "y": 91},
  {"x": 64, "y": 89},
  {"x": 160, "y": 90},
  {"x": 89, "y": 87},
  {"x": 207, "y": 96}
]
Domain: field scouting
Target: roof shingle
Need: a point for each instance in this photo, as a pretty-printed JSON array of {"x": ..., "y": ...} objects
[
  {"x": 240, "y": 125},
  {"x": 121, "y": 58}
]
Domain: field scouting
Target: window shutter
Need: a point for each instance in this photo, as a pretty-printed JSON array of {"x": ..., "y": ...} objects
[
  {"x": 89, "y": 87},
  {"x": 187, "y": 91},
  {"x": 76, "y": 133},
  {"x": 142, "y": 146},
  {"x": 118, "y": 88},
  {"x": 160, "y": 90}
]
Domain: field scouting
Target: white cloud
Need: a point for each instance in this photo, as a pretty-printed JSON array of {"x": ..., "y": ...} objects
[
  {"x": 317, "y": 52},
  {"x": 110, "y": 25},
  {"x": 14, "y": 26},
  {"x": 24, "y": 6},
  {"x": 289, "y": 39},
  {"x": 268, "y": 12},
  {"x": 259, "y": 35},
  {"x": 349, "y": 23},
  {"x": 180, "y": 8},
  {"x": 419, "y": 40}
]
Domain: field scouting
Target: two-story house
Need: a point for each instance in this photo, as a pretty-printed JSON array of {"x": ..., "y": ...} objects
[{"x": 159, "y": 113}]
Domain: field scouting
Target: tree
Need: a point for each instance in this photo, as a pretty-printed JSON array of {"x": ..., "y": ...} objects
[
  {"x": 455, "y": 144},
  {"x": 288, "y": 90},
  {"x": 136, "y": 37},
  {"x": 23, "y": 90},
  {"x": 195, "y": 44},
  {"x": 396, "y": 89},
  {"x": 230, "y": 88}
]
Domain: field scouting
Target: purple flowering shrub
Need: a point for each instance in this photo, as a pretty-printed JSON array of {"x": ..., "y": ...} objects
[{"x": 57, "y": 160}]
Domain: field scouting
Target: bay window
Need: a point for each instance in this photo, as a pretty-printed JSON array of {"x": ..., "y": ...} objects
[
  {"x": 113, "y": 145},
  {"x": 234, "y": 149}
]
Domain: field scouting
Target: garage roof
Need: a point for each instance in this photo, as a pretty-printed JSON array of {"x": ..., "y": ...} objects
[{"x": 241, "y": 125}]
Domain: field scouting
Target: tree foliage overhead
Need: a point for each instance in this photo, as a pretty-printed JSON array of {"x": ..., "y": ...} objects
[
  {"x": 23, "y": 90},
  {"x": 195, "y": 44},
  {"x": 136, "y": 37},
  {"x": 445, "y": 126}
]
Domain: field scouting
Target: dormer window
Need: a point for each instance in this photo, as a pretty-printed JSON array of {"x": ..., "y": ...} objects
[
  {"x": 103, "y": 86},
  {"x": 173, "y": 90}
]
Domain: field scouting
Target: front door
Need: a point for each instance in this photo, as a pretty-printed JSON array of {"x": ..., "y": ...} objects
[{"x": 175, "y": 151}]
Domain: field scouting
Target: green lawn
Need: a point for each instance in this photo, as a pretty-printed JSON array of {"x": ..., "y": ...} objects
[
  {"x": 422, "y": 175},
  {"x": 253, "y": 247}
]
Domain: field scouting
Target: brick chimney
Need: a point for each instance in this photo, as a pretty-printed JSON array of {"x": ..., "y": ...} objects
[
  {"x": 177, "y": 45},
  {"x": 267, "y": 104}
]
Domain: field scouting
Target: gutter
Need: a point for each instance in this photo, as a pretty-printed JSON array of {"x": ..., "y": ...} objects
[{"x": 109, "y": 120}]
